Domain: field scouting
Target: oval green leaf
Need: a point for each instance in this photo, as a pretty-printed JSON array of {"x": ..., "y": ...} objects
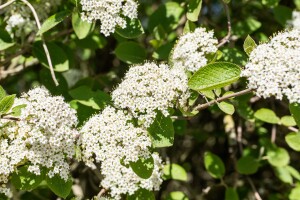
[
  {"x": 81, "y": 28},
  {"x": 293, "y": 140},
  {"x": 278, "y": 157},
  {"x": 295, "y": 111},
  {"x": 59, "y": 186},
  {"x": 249, "y": 45},
  {"x": 52, "y": 21},
  {"x": 132, "y": 30},
  {"x": 288, "y": 121},
  {"x": 214, "y": 75},
  {"x": 177, "y": 195},
  {"x": 174, "y": 172},
  {"x": 231, "y": 194},
  {"x": 226, "y": 107},
  {"x": 267, "y": 115},
  {"x": 161, "y": 131},
  {"x": 143, "y": 167},
  {"x": 247, "y": 165},
  {"x": 214, "y": 165},
  {"x": 6, "y": 103},
  {"x": 194, "y": 8},
  {"x": 130, "y": 52}
]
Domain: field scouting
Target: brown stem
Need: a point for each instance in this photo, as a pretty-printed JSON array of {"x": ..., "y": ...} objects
[
  {"x": 206, "y": 105},
  {"x": 227, "y": 37}
]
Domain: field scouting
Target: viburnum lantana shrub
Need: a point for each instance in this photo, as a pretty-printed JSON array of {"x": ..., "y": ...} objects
[{"x": 170, "y": 100}]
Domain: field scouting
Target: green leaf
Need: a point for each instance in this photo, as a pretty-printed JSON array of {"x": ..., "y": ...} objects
[
  {"x": 231, "y": 194},
  {"x": 267, "y": 115},
  {"x": 59, "y": 186},
  {"x": 282, "y": 14},
  {"x": 58, "y": 56},
  {"x": 2, "y": 93},
  {"x": 247, "y": 165},
  {"x": 246, "y": 27},
  {"x": 177, "y": 195},
  {"x": 25, "y": 180},
  {"x": 295, "y": 193},
  {"x": 249, "y": 45},
  {"x": 130, "y": 52},
  {"x": 168, "y": 15},
  {"x": 283, "y": 174},
  {"x": 293, "y": 140},
  {"x": 52, "y": 21},
  {"x": 143, "y": 167},
  {"x": 194, "y": 8},
  {"x": 161, "y": 131},
  {"x": 132, "y": 30},
  {"x": 86, "y": 96},
  {"x": 174, "y": 172},
  {"x": 297, "y": 4},
  {"x": 189, "y": 27},
  {"x": 270, "y": 3},
  {"x": 214, "y": 165},
  {"x": 288, "y": 121},
  {"x": 5, "y": 40},
  {"x": 6, "y": 103},
  {"x": 295, "y": 111},
  {"x": 16, "y": 111},
  {"x": 81, "y": 28},
  {"x": 83, "y": 112},
  {"x": 141, "y": 194},
  {"x": 214, "y": 75},
  {"x": 293, "y": 172},
  {"x": 278, "y": 157},
  {"x": 226, "y": 107}
]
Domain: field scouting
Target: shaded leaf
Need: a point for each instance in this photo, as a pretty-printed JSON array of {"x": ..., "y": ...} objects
[
  {"x": 52, "y": 21},
  {"x": 214, "y": 165},
  {"x": 143, "y": 167},
  {"x": 130, "y": 52},
  {"x": 59, "y": 186}
]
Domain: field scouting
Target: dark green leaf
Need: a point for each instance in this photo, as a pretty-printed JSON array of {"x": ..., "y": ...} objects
[
  {"x": 143, "y": 167},
  {"x": 194, "y": 8},
  {"x": 58, "y": 56},
  {"x": 53, "y": 21},
  {"x": 132, "y": 30},
  {"x": 59, "y": 186},
  {"x": 231, "y": 194},
  {"x": 175, "y": 172},
  {"x": 168, "y": 15},
  {"x": 247, "y": 165},
  {"x": 81, "y": 28},
  {"x": 214, "y": 165},
  {"x": 25, "y": 180},
  {"x": 130, "y": 52},
  {"x": 5, "y": 40},
  {"x": 295, "y": 111},
  {"x": 214, "y": 75},
  {"x": 282, "y": 14},
  {"x": 270, "y": 3},
  {"x": 141, "y": 194},
  {"x": 6, "y": 103},
  {"x": 161, "y": 131}
]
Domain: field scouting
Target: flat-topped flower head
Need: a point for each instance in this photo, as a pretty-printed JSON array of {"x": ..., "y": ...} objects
[
  {"x": 111, "y": 13},
  {"x": 111, "y": 140},
  {"x": 44, "y": 136},
  {"x": 148, "y": 88},
  {"x": 192, "y": 49},
  {"x": 273, "y": 68}
]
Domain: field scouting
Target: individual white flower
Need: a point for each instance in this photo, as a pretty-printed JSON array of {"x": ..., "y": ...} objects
[
  {"x": 295, "y": 21},
  {"x": 148, "y": 88},
  {"x": 44, "y": 135},
  {"x": 112, "y": 140},
  {"x": 192, "y": 49},
  {"x": 111, "y": 13},
  {"x": 273, "y": 68}
]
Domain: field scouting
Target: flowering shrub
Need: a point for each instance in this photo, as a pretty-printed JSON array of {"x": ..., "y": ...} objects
[{"x": 163, "y": 103}]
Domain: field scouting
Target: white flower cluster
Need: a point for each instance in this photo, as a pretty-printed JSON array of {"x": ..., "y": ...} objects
[
  {"x": 43, "y": 137},
  {"x": 149, "y": 88},
  {"x": 273, "y": 68},
  {"x": 113, "y": 140},
  {"x": 19, "y": 18},
  {"x": 111, "y": 13},
  {"x": 295, "y": 21},
  {"x": 192, "y": 49}
]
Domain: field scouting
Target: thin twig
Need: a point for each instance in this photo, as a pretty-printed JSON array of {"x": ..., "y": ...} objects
[
  {"x": 203, "y": 106},
  {"x": 44, "y": 43},
  {"x": 102, "y": 191},
  {"x": 256, "y": 194},
  {"x": 10, "y": 118},
  {"x": 6, "y": 4},
  {"x": 273, "y": 133},
  {"x": 293, "y": 129},
  {"x": 227, "y": 37}
]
